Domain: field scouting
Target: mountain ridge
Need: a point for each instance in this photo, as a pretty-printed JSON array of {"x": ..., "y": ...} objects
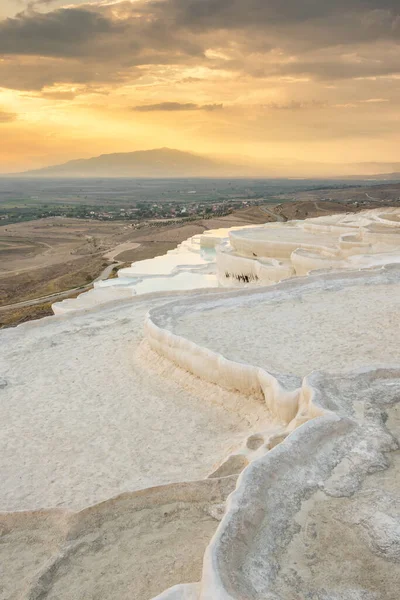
[
  {"x": 169, "y": 163},
  {"x": 161, "y": 162}
]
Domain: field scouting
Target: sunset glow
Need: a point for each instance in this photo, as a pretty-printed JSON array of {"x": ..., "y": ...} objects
[{"x": 291, "y": 80}]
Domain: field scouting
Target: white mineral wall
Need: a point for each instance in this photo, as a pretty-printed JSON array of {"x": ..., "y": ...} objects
[
  {"x": 270, "y": 540},
  {"x": 391, "y": 219},
  {"x": 265, "y": 244},
  {"x": 259, "y": 494},
  {"x": 213, "y": 237},
  {"x": 318, "y": 225},
  {"x": 262, "y": 254},
  {"x": 286, "y": 401},
  {"x": 327, "y": 458},
  {"x": 277, "y": 251},
  {"x": 353, "y": 241},
  {"x": 304, "y": 262},
  {"x": 210, "y": 366},
  {"x": 92, "y": 299},
  {"x": 232, "y": 268},
  {"x": 189, "y": 266},
  {"x": 251, "y": 543},
  {"x": 383, "y": 238}
]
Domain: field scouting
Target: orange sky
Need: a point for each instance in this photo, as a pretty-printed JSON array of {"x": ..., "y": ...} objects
[{"x": 288, "y": 79}]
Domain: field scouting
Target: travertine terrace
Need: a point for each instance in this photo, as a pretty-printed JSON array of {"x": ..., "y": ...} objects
[
  {"x": 235, "y": 442},
  {"x": 276, "y": 251},
  {"x": 262, "y": 255}
]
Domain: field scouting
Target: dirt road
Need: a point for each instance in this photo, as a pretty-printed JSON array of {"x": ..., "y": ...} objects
[
  {"x": 60, "y": 295},
  {"x": 275, "y": 216}
]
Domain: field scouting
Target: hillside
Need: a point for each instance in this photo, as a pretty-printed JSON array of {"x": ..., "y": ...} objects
[
  {"x": 168, "y": 163},
  {"x": 162, "y": 162}
]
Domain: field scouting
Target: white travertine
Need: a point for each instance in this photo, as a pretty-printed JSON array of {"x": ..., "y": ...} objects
[
  {"x": 255, "y": 255},
  {"x": 242, "y": 445},
  {"x": 276, "y": 251}
]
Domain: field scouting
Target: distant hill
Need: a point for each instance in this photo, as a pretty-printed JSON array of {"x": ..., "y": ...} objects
[
  {"x": 166, "y": 162},
  {"x": 384, "y": 168},
  {"x": 162, "y": 162},
  {"x": 380, "y": 176}
]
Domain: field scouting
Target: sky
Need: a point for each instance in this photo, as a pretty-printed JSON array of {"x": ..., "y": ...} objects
[{"x": 270, "y": 80}]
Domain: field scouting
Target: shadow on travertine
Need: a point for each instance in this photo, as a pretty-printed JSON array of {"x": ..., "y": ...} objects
[
  {"x": 319, "y": 516},
  {"x": 132, "y": 546}
]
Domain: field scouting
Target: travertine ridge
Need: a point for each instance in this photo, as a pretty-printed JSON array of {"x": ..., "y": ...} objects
[{"x": 248, "y": 438}]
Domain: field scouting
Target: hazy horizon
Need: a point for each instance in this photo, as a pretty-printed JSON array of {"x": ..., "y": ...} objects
[
  {"x": 172, "y": 163},
  {"x": 265, "y": 81}
]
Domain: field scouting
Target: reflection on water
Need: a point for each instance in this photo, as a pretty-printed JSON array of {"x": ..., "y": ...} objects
[{"x": 192, "y": 265}]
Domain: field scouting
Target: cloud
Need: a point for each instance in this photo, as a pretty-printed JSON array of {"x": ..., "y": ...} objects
[
  {"x": 33, "y": 4},
  {"x": 169, "y": 24},
  {"x": 61, "y": 33},
  {"x": 7, "y": 117},
  {"x": 124, "y": 33},
  {"x": 374, "y": 100},
  {"x": 108, "y": 42},
  {"x": 176, "y": 106},
  {"x": 294, "y": 105}
]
